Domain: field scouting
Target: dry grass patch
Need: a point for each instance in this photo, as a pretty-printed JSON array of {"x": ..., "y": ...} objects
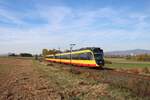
[
  {"x": 75, "y": 71},
  {"x": 146, "y": 70},
  {"x": 50, "y": 64},
  {"x": 75, "y": 84},
  {"x": 86, "y": 91}
]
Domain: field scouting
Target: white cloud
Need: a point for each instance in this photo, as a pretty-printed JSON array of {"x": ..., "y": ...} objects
[
  {"x": 11, "y": 17},
  {"x": 65, "y": 25}
]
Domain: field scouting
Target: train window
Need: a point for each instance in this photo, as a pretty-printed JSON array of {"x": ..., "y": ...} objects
[
  {"x": 90, "y": 56},
  {"x": 98, "y": 56},
  {"x": 86, "y": 56},
  {"x": 50, "y": 56},
  {"x": 66, "y": 56},
  {"x": 83, "y": 56},
  {"x": 61, "y": 57},
  {"x": 75, "y": 56},
  {"x": 56, "y": 57}
]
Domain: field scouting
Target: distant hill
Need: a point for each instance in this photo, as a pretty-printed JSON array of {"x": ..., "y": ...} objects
[{"x": 128, "y": 52}]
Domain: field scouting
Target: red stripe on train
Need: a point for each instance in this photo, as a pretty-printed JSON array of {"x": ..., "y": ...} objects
[{"x": 78, "y": 64}]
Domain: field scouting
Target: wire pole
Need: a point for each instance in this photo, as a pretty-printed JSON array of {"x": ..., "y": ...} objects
[
  {"x": 71, "y": 47},
  {"x": 59, "y": 55}
]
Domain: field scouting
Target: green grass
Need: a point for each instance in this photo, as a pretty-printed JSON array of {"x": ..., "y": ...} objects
[
  {"x": 127, "y": 65},
  {"x": 78, "y": 87},
  {"x": 123, "y": 63}
]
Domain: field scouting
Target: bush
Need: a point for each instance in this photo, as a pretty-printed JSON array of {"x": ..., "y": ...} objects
[
  {"x": 108, "y": 62},
  {"x": 26, "y": 55},
  {"x": 142, "y": 57},
  {"x": 12, "y": 55}
]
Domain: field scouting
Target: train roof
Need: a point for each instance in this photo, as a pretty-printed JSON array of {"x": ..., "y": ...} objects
[
  {"x": 89, "y": 48},
  {"x": 86, "y": 48}
]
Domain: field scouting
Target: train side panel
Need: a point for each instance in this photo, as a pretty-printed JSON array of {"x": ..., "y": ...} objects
[{"x": 88, "y": 63}]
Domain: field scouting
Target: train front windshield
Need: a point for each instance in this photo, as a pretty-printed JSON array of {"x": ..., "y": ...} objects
[{"x": 98, "y": 55}]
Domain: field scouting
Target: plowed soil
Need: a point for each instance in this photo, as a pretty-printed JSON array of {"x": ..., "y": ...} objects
[{"x": 20, "y": 81}]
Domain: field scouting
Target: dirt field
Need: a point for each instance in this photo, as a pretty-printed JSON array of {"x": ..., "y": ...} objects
[
  {"x": 20, "y": 81},
  {"x": 27, "y": 79}
]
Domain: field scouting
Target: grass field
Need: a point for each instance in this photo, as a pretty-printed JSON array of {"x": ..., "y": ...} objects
[
  {"x": 123, "y": 63},
  {"x": 78, "y": 86},
  {"x": 28, "y": 79}
]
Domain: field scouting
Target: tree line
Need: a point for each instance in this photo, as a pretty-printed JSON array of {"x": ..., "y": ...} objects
[
  {"x": 49, "y": 51},
  {"x": 141, "y": 57},
  {"x": 21, "y": 55}
]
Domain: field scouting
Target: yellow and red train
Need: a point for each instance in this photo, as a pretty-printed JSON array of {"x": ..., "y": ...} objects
[{"x": 89, "y": 57}]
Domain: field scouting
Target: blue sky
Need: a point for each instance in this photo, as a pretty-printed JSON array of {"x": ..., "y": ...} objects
[{"x": 31, "y": 25}]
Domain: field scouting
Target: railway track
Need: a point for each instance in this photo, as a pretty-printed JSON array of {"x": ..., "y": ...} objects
[
  {"x": 105, "y": 70},
  {"x": 133, "y": 75},
  {"x": 108, "y": 71}
]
